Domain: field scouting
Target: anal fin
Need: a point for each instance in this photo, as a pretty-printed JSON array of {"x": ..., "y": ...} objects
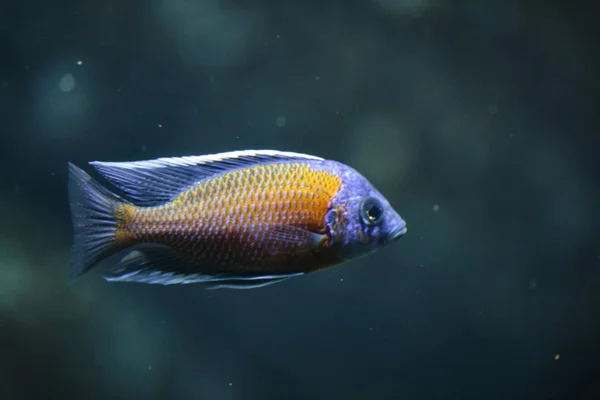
[
  {"x": 158, "y": 265},
  {"x": 248, "y": 282}
]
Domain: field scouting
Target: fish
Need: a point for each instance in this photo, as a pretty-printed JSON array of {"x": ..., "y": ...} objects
[{"x": 238, "y": 219}]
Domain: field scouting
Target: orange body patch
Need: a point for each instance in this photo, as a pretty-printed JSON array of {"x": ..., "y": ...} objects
[{"x": 230, "y": 218}]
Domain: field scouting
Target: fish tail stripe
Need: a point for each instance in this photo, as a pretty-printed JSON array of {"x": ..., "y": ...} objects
[{"x": 94, "y": 213}]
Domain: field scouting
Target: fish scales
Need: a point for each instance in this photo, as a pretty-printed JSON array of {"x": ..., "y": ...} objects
[
  {"x": 225, "y": 219},
  {"x": 239, "y": 219}
]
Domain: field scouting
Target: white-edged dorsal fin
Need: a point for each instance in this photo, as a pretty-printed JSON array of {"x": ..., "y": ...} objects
[{"x": 152, "y": 182}]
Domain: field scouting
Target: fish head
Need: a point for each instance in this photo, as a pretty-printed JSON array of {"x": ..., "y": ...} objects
[{"x": 360, "y": 219}]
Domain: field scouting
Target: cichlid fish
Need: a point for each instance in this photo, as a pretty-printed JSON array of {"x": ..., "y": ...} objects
[{"x": 238, "y": 219}]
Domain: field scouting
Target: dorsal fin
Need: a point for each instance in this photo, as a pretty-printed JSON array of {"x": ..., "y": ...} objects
[{"x": 153, "y": 182}]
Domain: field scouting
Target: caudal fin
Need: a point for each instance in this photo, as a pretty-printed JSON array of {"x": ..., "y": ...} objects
[{"x": 94, "y": 214}]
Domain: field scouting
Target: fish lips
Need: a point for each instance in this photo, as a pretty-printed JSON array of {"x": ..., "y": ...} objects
[{"x": 398, "y": 232}]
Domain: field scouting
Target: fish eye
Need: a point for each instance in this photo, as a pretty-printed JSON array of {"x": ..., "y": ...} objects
[{"x": 371, "y": 211}]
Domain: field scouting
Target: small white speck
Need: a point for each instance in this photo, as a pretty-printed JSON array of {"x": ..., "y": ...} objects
[
  {"x": 150, "y": 367},
  {"x": 67, "y": 83},
  {"x": 277, "y": 36},
  {"x": 159, "y": 125},
  {"x": 371, "y": 329},
  {"x": 436, "y": 208},
  {"x": 280, "y": 121},
  {"x": 230, "y": 384},
  {"x": 79, "y": 62},
  {"x": 237, "y": 137},
  {"x": 341, "y": 279}
]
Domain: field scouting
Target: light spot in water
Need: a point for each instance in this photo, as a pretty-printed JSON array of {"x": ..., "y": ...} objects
[
  {"x": 67, "y": 83},
  {"x": 436, "y": 208},
  {"x": 280, "y": 121},
  {"x": 532, "y": 284}
]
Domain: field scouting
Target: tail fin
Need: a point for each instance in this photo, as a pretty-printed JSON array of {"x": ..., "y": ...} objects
[{"x": 94, "y": 215}]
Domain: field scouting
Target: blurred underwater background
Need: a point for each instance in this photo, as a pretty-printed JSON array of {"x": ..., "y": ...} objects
[{"x": 478, "y": 120}]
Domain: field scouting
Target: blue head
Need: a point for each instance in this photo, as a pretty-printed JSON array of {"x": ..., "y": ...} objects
[{"x": 360, "y": 219}]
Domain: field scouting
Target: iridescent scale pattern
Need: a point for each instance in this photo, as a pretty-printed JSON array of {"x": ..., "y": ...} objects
[{"x": 232, "y": 220}]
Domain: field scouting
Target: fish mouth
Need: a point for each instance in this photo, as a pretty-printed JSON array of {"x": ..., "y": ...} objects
[{"x": 398, "y": 232}]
